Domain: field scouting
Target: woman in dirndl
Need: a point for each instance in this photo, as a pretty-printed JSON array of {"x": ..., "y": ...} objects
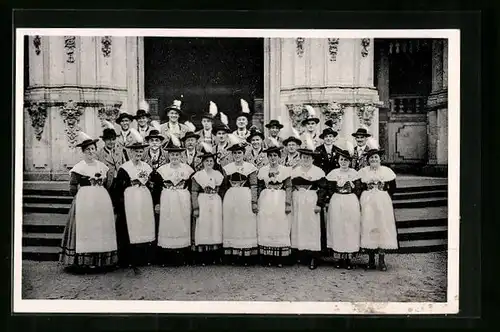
[
  {"x": 274, "y": 205},
  {"x": 240, "y": 209},
  {"x": 89, "y": 239},
  {"x": 378, "y": 225},
  {"x": 308, "y": 183},
  {"x": 135, "y": 215},
  {"x": 206, "y": 199},
  {"x": 174, "y": 231},
  {"x": 344, "y": 215}
]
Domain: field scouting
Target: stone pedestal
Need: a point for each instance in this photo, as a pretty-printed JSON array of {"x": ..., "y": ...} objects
[
  {"x": 334, "y": 76},
  {"x": 74, "y": 83}
]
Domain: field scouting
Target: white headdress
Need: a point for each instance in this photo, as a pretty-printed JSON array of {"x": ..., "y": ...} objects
[
  {"x": 244, "y": 106},
  {"x": 175, "y": 140},
  {"x": 207, "y": 147},
  {"x": 136, "y": 136},
  {"x": 156, "y": 125},
  {"x": 212, "y": 109},
  {"x": 223, "y": 118}
]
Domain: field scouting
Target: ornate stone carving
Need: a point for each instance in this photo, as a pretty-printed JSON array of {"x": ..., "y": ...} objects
[
  {"x": 71, "y": 113},
  {"x": 366, "y": 114},
  {"x": 38, "y": 115},
  {"x": 297, "y": 113},
  {"x": 365, "y": 44},
  {"x": 69, "y": 45},
  {"x": 106, "y": 46},
  {"x": 300, "y": 46},
  {"x": 333, "y": 45},
  {"x": 37, "y": 42},
  {"x": 333, "y": 111},
  {"x": 109, "y": 113}
]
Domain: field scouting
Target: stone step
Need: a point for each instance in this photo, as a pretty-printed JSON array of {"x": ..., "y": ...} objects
[
  {"x": 47, "y": 199},
  {"x": 36, "y": 253},
  {"x": 419, "y": 194},
  {"x": 420, "y": 203},
  {"x": 420, "y": 235},
  {"x": 422, "y": 243},
  {"x": 42, "y": 239},
  {"x": 440, "y": 212},
  {"x": 44, "y": 222},
  {"x": 56, "y": 208},
  {"x": 44, "y": 192},
  {"x": 421, "y": 223}
]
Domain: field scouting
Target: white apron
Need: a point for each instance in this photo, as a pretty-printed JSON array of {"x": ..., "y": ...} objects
[
  {"x": 208, "y": 228},
  {"x": 378, "y": 225},
  {"x": 94, "y": 217},
  {"x": 175, "y": 208},
  {"x": 344, "y": 215},
  {"x": 273, "y": 224},
  {"x": 306, "y": 225},
  {"x": 239, "y": 221},
  {"x": 139, "y": 210}
]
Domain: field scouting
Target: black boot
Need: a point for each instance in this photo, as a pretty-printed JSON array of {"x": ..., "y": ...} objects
[
  {"x": 371, "y": 261},
  {"x": 313, "y": 263},
  {"x": 381, "y": 262}
]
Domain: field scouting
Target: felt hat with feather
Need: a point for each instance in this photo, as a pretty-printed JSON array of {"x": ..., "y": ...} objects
[{"x": 85, "y": 140}]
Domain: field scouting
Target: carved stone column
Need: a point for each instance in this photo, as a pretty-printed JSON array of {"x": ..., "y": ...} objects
[
  {"x": 74, "y": 83},
  {"x": 333, "y": 75},
  {"x": 437, "y": 104}
]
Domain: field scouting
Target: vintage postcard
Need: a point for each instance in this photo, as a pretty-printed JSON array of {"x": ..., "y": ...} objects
[{"x": 237, "y": 171}]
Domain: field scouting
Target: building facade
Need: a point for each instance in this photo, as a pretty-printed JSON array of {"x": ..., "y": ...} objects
[{"x": 73, "y": 83}]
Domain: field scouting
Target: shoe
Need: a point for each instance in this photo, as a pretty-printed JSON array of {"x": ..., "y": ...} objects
[
  {"x": 313, "y": 265},
  {"x": 280, "y": 265},
  {"x": 382, "y": 266}
]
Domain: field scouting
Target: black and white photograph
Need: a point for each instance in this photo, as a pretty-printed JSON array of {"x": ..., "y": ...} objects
[{"x": 237, "y": 171}]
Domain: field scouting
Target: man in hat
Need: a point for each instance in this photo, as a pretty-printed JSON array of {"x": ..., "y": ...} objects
[
  {"x": 124, "y": 137},
  {"x": 291, "y": 157},
  {"x": 109, "y": 154},
  {"x": 191, "y": 156},
  {"x": 311, "y": 124},
  {"x": 255, "y": 151},
  {"x": 224, "y": 156},
  {"x": 274, "y": 127},
  {"x": 173, "y": 127},
  {"x": 359, "y": 159},
  {"x": 327, "y": 158},
  {"x": 241, "y": 124},
  {"x": 154, "y": 155},
  {"x": 142, "y": 117},
  {"x": 206, "y": 133}
]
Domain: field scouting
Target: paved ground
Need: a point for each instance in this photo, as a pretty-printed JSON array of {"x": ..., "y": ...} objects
[{"x": 410, "y": 278}]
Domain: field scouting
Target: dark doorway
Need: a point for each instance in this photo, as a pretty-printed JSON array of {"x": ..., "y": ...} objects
[{"x": 221, "y": 70}]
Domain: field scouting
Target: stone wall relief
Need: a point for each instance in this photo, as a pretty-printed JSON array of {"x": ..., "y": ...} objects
[
  {"x": 109, "y": 113},
  {"x": 300, "y": 46},
  {"x": 366, "y": 114},
  {"x": 71, "y": 113},
  {"x": 297, "y": 113},
  {"x": 365, "y": 44},
  {"x": 333, "y": 111},
  {"x": 106, "y": 46},
  {"x": 38, "y": 116},
  {"x": 333, "y": 47},
  {"x": 69, "y": 46},
  {"x": 37, "y": 42}
]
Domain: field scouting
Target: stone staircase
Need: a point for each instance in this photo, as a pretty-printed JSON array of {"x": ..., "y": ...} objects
[{"x": 420, "y": 207}]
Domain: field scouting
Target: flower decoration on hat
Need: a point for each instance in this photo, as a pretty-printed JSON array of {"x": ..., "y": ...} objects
[
  {"x": 108, "y": 125},
  {"x": 244, "y": 106},
  {"x": 136, "y": 136},
  {"x": 212, "y": 109},
  {"x": 233, "y": 139},
  {"x": 223, "y": 118},
  {"x": 190, "y": 126},
  {"x": 175, "y": 140},
  {"x": 156, "y": 125},
  {"x": 143, "y": 105}
]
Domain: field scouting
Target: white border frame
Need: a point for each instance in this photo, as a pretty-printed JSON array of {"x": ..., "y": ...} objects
[{"x": 227, "y": 307}]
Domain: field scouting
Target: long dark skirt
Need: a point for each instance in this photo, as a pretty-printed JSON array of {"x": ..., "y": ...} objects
[
  {"x": 173, "y": 257},
  {"x": 81, "y": 261},
  {"x": 132, "y": 254},
  {"x": 241, "y": 256},
  {"x": 207, "y": 254},
  {"x": 275, "y": 255}
]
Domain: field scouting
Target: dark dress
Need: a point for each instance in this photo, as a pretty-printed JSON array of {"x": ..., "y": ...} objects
[{"x": 131, "y": 254}]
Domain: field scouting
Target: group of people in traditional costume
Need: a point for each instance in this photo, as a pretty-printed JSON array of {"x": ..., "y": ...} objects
[{"x": 170, "y": 195}]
